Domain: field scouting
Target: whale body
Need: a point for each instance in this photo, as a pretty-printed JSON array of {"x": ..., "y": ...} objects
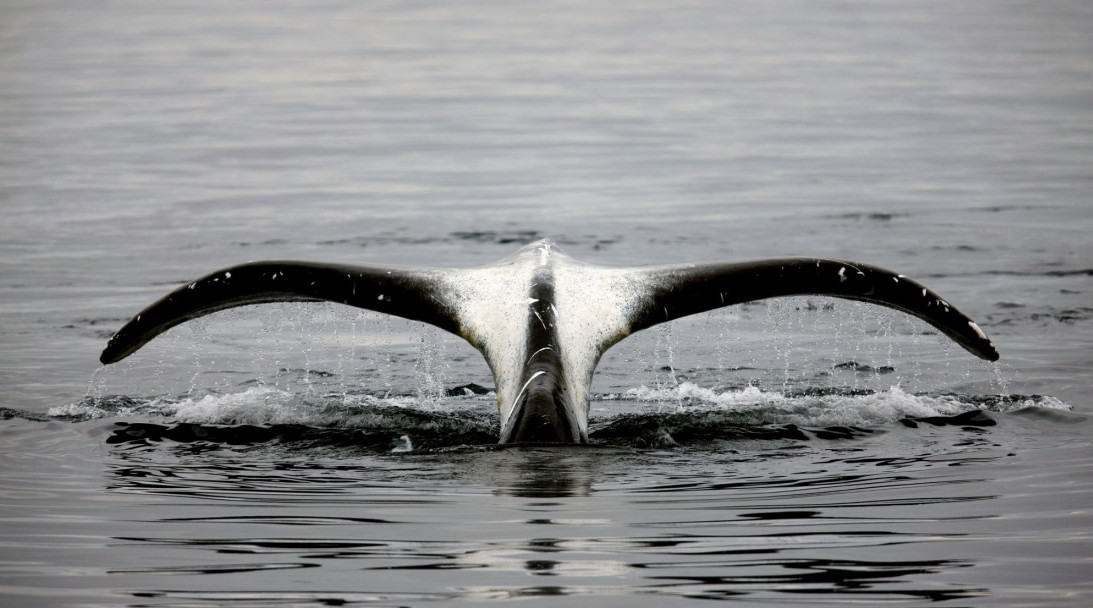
[{"x": 542, "y": 319}]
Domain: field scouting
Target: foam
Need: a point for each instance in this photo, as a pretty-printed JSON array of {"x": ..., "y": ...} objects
[
  {"x": 756, "y": 406},
  {"x": 265, "y": 405}
]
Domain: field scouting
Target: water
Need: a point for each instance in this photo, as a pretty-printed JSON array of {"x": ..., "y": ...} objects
[{"x": 793, "y": 452}]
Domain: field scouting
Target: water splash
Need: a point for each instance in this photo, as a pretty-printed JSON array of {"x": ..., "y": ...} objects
[
  {"x": 752, "y": 405},
  {"x": 646, "y": 416}
]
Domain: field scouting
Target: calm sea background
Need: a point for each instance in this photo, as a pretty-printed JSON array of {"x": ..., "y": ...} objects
[{"x": 795, "y": 452}]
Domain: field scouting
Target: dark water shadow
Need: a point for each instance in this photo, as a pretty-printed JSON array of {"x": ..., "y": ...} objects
[{"x": 765, "y": 513}]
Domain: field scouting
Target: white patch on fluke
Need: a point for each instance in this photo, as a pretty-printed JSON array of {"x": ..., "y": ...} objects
[
  {"x": 590, "y": 311},
  {"x": 491, "y": 304}
]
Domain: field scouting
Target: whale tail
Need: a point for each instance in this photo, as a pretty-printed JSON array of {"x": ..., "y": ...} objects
[{"x": 540, "y": 319}]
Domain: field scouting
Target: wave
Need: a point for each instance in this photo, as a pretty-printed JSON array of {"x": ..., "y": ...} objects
[{"x": 662, "y": 416}]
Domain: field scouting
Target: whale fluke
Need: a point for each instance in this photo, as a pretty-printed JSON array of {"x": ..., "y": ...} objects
[
  {"x": 678, "y": 291},
  {"x": 414, "y": 295},
  {"x": 541, "y": 319}
]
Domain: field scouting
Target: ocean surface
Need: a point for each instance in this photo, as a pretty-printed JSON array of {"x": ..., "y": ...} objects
[{"x": 793, "y": 452}]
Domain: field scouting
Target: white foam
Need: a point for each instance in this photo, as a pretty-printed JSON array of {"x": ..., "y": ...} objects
[
  {"x": 256, "y": 405},
  {"x": 83, "y": 411},
  {"x": 92, "y": 410},
  {"x": 268, "y": 405},
  {"x": 756, "y": 406}
]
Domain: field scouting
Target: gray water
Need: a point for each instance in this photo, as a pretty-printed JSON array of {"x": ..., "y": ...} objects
[{"x": 795, "y": 452}]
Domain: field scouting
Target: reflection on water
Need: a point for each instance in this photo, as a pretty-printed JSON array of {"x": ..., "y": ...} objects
[
  {"x": 545, "y": 472},
  {"x": 761, "y": 520}
]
